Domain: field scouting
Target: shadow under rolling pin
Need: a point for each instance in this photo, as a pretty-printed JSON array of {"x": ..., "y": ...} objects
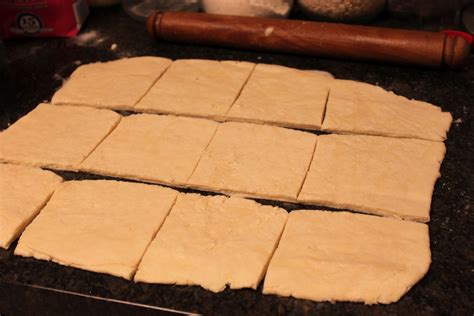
[{"x": 432, "y": 49}]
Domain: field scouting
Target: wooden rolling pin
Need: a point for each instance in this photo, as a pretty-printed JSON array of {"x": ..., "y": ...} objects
[{"x": 311, "y": 38}]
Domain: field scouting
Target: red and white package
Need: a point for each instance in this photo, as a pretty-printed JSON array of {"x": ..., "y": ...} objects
[{"x": 42, "y": 18}]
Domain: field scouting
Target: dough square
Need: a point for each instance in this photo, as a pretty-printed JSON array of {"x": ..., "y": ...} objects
[
  {"x": 372, "y": 174},
  {"x": 255, "y": 160},
  {"x": 204, "y": 88},
  {"x": 100, "y": 226},
  {"x": 154, "y": 148},
  {"x": 283, "y": 96},
  {"x": 360, "y": 108},
  {"x": 213, "y": 241},
  {"x": 117, "y": 84},
  {"x": 57, "y": 137},
  {"x": 340, "y": 256},
  {"x": 23, "y": 192}
]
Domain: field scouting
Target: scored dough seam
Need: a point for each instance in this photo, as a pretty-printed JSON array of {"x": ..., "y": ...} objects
[
  {"x": 101, "y": 141},
  {"x": 37, "y": 211},
  {"x": 325, "y": 108},
  {"x": 365, "y": 211},
  {"x": 132, "y": 278},
  {"x": 275, "y": 247},
  {"x": 240, "y": 92},
  {"x": 307, "y": 169},
  {"x": 152, "y": 85},
  {"x": 396, "y": 136},
  {"x": 248, "y": 195},
  {"x": 202, "y": 154}
]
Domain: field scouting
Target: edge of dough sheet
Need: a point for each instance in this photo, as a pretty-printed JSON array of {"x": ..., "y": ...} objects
[
  {"x": 27, "y": 252},
  {"x": 363, "y": 210}
]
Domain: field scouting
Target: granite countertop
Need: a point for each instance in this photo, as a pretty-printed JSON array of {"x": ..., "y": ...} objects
[{"x": 37, "y": 67}]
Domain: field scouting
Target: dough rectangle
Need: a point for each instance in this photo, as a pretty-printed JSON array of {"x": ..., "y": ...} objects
[
  {"x": 100, "y": 226},
  {"x": 117, "y": 84},
  {"x": 360, "y": 108},
  {"x": 154, "y": 148},
  {"x": 283, "y": 96},
  {"x": 340, "y": 256},
  {"x": 57, "y": 137},
  {"x": 213, "y": 241},
  {"x": 23, "y": 192},
  {"x": 378, "y": 175},
  {"x": 203, "y": 88},
  {"x": 255, "y": 160}
]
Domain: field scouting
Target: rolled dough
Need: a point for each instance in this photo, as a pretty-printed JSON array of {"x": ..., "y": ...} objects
[
  {"x": 283, "y": 96},
  {"x": 378, "y": 175},
  {"x": 213, "y": 241},
  {"x": 23, "y": 192},
  {"x": 100, "y": 226},
  {"x": 203, "y": 88},
  {"x": 154, "y": 148},
  {"x": 255, "y": 160},
  {"x": 340, "y": 256},
  {"x": 117, "y": 84},
  {"x": 360, "y": 108},
  {"x": 57, "y": 137}
]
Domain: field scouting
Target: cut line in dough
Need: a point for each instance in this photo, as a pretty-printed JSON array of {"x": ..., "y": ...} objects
[
  {"x": 117, "y": 84},
  {"x": 162, "y": 149},
  {"x": 255, "y": 160},
  {"x": 283, "y": 96},
  {"x": 101, "y": 226},
  {"x": 193, "y": 87},
  {"x": 23, "y": 193},
  {"x": 213, "y": 241},
  {"x": 56, "y": 137}
]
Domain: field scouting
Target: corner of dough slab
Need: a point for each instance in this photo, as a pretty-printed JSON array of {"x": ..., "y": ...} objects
[
  {"x": 342, "y": 256},
  {"x": 89, "y": 84},
  {"x": 361, "y": 108},
  {"x": 24, "y": 191}
]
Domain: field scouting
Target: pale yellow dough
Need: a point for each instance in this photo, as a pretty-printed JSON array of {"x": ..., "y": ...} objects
[
  {"x": 23, "y": 192},
  {"x": 155, "y": 148},
  {"x": 117, "y": 84},
  {"x": 213, "y": 242},
  {"x": 372, "y": 174},
  {"x": 57, "y": 137},
  {"x": 255, "y": 160},
  {"x": 204, "y": 88},
  {"x": 360, "y": 108},
  {"x": 340, "y": 256},
  {"x": 283, "y": 96},
  {"x": 100, "y": 226}
]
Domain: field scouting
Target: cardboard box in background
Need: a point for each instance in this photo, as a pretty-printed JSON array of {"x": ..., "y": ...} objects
[{"x": 42, "y": 18}]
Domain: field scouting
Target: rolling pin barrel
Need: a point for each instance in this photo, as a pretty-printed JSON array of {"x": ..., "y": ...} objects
[{"x": 311, "y": 38}]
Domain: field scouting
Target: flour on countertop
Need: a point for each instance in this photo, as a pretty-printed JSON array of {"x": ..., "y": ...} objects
[{"x": 91, "y": 38}]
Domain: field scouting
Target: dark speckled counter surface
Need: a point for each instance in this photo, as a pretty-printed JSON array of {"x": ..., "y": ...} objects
[{"x": 36, "y": 69}]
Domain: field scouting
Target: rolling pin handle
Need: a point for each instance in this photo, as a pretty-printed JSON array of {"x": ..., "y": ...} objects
[
  {"x": 153, "y": 23},
  {"x": 456, "y": 51}
]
